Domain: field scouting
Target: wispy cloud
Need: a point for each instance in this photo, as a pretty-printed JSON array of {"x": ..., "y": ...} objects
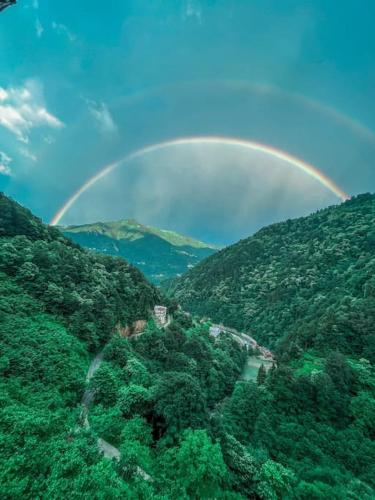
[
  {"x": 5, "y": 162},
  {"x": 39, "y": 28},
  {"x": 63, "y": 30},
  {"x": 28, "y": 154},
  {"x": 102, "y": 116},
  {"x": 23, "y": 109}
]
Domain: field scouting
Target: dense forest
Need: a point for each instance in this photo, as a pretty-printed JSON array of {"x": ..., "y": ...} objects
[
  {"x": 172, "y": 401},
  {"x": 188, "y": 426},
  {"x": 58, "y": 303},
  {"x": 91, "y": 294},
  {"x": 302, "y": 284}
]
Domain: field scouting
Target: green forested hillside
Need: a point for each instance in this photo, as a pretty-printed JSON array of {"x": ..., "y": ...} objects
[
  {"x": 309, "y": 282},
  {"x": 306, "y": 288},
  {"x": 89, "y": 293},
  {"x": 158, "y": 253},
  {"x": 156, "y": 397},
  {"x": 173, "y": 403},
  {"x": 57, "y": 303}
]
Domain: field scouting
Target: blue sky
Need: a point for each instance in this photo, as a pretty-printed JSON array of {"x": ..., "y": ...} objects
[{"x": 84, "y": 83}]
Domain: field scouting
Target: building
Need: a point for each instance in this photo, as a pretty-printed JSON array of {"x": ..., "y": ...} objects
[
  {"x": 215, "y": 331},
  {"x": 160, "y": 313}
]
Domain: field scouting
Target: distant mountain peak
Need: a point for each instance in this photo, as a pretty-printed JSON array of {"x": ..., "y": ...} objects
[{"x": 159, "y": 253}]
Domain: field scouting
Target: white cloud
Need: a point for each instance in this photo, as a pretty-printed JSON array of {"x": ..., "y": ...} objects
[
  {"x": 102, "y": 115},
  {"x": 39, "y": 28},
  {"x": 23, "y": 109},
  {"x": 63, "y": 30},
  {"x": 5, "y": 161}
]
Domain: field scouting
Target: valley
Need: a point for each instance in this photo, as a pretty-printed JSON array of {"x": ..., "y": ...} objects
[
  {"x": 200, "y": 407},
  {"x": 187, "y": 250}
]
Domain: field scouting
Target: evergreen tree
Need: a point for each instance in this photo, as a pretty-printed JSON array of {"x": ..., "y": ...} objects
[{"x": 262, "y": 374}]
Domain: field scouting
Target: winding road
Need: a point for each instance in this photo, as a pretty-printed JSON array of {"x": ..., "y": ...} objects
[{"x": 107, "y": 449}]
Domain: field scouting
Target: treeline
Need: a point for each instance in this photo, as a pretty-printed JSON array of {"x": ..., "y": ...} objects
[
  {"x": 173, "y": 401},
  {"x": 306, "y": 433}
]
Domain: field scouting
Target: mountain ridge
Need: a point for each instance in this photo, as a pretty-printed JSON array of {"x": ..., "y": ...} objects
[{"x": 123, "y": 229}]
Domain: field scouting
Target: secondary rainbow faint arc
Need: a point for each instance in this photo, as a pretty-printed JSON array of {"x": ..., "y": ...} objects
[
  {"x": 216, "y": 140},
  {"x": 262, "y": 89}
]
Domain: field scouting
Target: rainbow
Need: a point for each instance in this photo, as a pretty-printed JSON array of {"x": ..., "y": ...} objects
[
  {"x": 262, "y": 89},
  {"x": 183, "y": 141}
]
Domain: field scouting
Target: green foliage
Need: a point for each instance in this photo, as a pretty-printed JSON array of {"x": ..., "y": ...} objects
[
  {"x": 136, "y": 455},
  {"x": 262, "y": 375},
  {"x": 91, "y": 294},
  {"x": 300, "y": 284},
  {"x": 274, "y": 481},
  {"x": 196, "y": 467},
  {"x": 107, "y": 423},
  {"x": 43, "y": 369},
  {"x": 105, "y": 385},
  {"x": 180, "y": 400},
  {"x": 56, "y": 302},
  {"x": 134, "y": 400},
  {"x": 172, "y": 400},
  {"x": 169, "y": 382},
  {"x": 243, "y": 408}
]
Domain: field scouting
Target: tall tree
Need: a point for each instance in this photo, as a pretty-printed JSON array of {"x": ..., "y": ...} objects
[{"x": 262, "y": 374}]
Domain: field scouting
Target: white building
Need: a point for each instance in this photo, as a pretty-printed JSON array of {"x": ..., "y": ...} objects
[{"x": 160, "y": 313}]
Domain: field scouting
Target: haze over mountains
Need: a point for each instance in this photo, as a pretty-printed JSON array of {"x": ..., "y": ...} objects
[{"x": 160, "y": 254}]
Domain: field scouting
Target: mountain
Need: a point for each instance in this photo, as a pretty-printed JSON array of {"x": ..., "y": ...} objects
[
  {"x": 309, "y": 282},
  {"x": 158, "y": 253}
]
